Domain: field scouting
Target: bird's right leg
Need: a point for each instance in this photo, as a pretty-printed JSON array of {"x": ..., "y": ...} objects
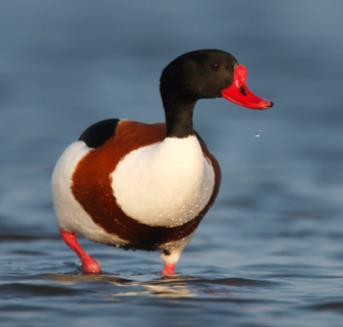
[{"x": 89, "y": 265}]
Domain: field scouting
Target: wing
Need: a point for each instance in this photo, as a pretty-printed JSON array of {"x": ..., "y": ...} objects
[{"x": 97, "y": 134}]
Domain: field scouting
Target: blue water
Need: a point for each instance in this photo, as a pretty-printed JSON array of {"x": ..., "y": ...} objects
[{"x": 269, "y": 253}]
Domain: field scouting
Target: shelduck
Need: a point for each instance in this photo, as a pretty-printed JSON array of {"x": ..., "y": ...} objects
[{"x": 148, "y": 186}]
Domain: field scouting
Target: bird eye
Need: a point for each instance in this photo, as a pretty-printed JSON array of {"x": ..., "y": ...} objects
[{"x": 215, "y": 66}]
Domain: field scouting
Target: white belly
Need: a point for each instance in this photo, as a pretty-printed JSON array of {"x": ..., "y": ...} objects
[{"x": 164, "y": 184}]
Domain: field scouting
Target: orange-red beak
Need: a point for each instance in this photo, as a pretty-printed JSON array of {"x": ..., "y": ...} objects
[{"x": 239, "y": 93}]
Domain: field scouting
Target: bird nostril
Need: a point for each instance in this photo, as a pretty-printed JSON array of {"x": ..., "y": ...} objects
[{"x": 243, "y": 91}]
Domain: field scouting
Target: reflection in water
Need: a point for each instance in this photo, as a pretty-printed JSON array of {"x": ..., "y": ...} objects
[
  {"x": 172, "y": 291},
  {"x": 163, "y": 287},
  {"x": 175, "y": 286},
  {"x": 79, "y": 278}
]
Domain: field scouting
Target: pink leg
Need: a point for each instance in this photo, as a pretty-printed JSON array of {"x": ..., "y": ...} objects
[
  {"x": 168, "y": 269},
  {"x": 89, "y": 265}
]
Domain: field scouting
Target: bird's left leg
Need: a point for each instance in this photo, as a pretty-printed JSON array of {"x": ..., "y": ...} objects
[
  {"x": 171, "y": 255},
  {"x": 169, "y": 259}
]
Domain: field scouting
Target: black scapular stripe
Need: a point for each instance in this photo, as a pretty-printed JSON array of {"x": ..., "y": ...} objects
[{"x": 97, "y": 134}]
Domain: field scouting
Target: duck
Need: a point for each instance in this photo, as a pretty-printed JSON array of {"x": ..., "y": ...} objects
[{"x": 147, "y": 186}]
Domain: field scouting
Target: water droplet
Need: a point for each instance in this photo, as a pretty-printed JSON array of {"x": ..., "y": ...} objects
[{"x": 258, "y": 134}]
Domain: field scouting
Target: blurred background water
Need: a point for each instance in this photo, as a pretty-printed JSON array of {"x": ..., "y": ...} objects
[{"x": 269, "y": 253}]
